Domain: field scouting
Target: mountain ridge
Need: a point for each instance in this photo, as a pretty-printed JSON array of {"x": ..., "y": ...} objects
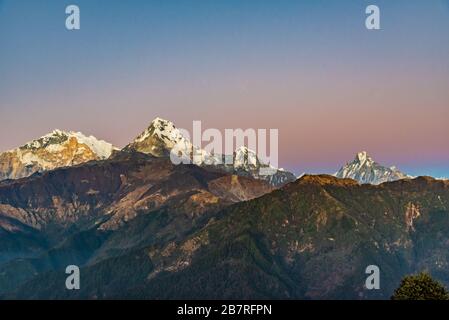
[
  {"x": 365, "y": 170},
  {"x": 66, "y": 148},
  {"x": 161, "y": 137},
  {"x": 311, "y": 239},
  {"x": 53, "y": 150}
]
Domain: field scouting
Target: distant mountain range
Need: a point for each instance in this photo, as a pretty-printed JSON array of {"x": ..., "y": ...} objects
[
  {"x": 63, "y": 149},
  {"x": 366, "y": 171},
  {"x": 142, "y": 227},
  {"x": 161, "y": 136}
]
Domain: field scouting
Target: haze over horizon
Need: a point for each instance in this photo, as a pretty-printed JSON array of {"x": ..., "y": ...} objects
[{"x": 307, "y": 68}]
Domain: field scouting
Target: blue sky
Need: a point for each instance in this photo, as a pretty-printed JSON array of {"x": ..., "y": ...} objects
[{"x": 309, "y": 68}]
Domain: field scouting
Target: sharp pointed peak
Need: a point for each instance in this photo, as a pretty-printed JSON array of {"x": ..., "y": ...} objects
[
  {"x": 160, "y": 121},
  {"x": 164, "y": 131},
  {"x": 365, "y": 170},
  {"x": 243, "y": 149},
  {"x": 362, "y": 156},
  {"x": 56, "y": 132}
]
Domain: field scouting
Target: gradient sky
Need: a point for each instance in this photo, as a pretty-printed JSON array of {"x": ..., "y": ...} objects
[{"x": 309, "y": 68}]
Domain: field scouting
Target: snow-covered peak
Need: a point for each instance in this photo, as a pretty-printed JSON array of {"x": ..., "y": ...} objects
[
  {"x": 363, "y": 157},
  {"x": 55, "y": 140},
  {"x": 54, "y": 150},
  {"x": 163, "y": 129},
  {"x": 159, "y": 121},
  {"x": 45, "y": 140},
  {"x": 245, "y": 157},
  {"x": 242, "y": 149},
  {"x": 162, "y": 125},
  {"x": 101, "y": 148},
  {"x": 365, "y": 170},
  {"x": 57, "y": 132},
  {"x": 163, "y": 139}
]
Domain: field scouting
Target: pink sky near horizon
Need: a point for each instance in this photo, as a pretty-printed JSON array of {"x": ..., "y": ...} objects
[
  {"x": 400, "y": 122},
  {"x": 311, "y": 70}
]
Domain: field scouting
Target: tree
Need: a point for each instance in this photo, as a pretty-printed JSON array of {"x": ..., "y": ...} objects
[{"x": 420, "y": 287}]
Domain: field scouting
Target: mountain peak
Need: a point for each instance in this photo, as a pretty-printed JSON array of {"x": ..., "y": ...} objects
[
  {"x": 363, "y": 156},
  {"x": 55, "y": 137},
  {"x": 365, "y": 170},
  {"x": 160, "y": 128},
  {"x": 159, "y": 121},
  {"x": 161, "y": 125},
  {"x": 54, "y": 150},
  {"x": 56, "y": 132},
  {"x": 59, "y": 137},
  {"x": 245, "y": 158},
  {"x": 242, "y": 149},
  {"x": 161, "y": 137}
]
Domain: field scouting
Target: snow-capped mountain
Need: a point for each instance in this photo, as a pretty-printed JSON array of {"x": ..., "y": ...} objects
[
  {"x": 54, "y": 150},
  {"x": 246, "y": 162},
  {"x": 366, "y": 171},
  {"x": 162, "y": 136}
]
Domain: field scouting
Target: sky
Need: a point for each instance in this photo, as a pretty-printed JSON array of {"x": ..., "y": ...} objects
[{"x": 308, "y": 68}]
